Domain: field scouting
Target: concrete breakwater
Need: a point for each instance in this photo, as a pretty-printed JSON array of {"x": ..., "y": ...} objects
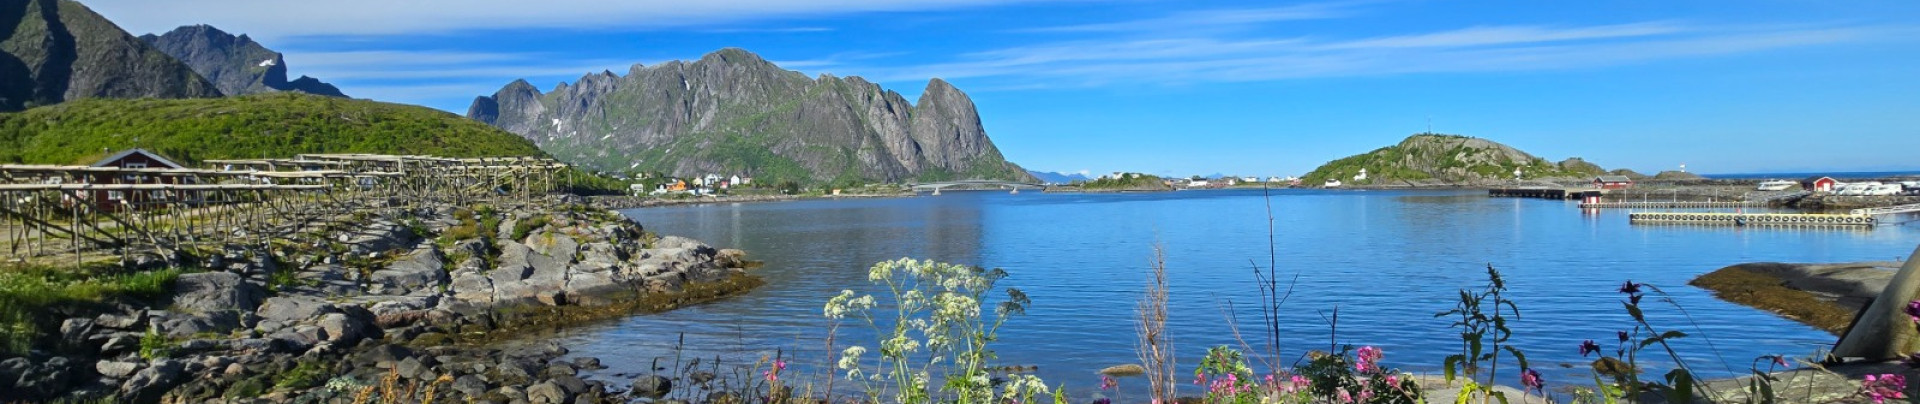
[{"x": 394, "y": 300}]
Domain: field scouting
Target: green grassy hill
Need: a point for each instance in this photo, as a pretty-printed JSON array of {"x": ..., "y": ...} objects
[{"x": 255, "y": 126}]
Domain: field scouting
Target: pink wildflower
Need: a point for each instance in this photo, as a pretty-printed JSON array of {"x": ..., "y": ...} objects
[
  {"x": 1531, "y": 379},
  {"x": 774, "y": 374},
  {"x": 1107, "y": 383},
  {"x": 1913, "y": 310},
  {"x": 1342, "y": 393},
  {"x": 1883, "y": 387},
  {"x": 1367, "y": 359}
]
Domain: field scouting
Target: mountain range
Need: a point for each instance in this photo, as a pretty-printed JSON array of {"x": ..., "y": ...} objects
[
  {"x": 59, "y": 50},
  {"x": 732, "y": 112},
  {"x": 1058, "y": 178},
  {"x": 55, "y": 51}
]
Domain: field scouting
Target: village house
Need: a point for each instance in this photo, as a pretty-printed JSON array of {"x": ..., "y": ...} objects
[
  {"x": 1819, "y": 184},
  {"x": 1612, "y": 182},
  {"x": 112, "y": 200}
]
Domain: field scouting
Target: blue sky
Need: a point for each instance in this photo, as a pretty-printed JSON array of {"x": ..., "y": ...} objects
[{"x": 1201, "y": 87}]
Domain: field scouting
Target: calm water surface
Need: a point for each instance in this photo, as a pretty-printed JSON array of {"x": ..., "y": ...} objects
[{"x": 1386, "y": 260}]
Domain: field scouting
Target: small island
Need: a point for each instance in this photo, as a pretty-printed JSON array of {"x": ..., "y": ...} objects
[{"x": 1118, "y": 182}]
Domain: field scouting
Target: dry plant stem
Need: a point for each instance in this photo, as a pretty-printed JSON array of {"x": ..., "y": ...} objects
[
  {"x": 1269, "y": 283},
  {"x": 1156, "y": 346}
]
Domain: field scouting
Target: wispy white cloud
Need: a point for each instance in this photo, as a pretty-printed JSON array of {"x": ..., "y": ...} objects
[
  {"x": 1188, "y": 59},
  {"x": 1215, "y": 18},
  {"x": 1500, "y": 35},
  {"x": 271, "y": 19},
  {"x": 443, "y": 79}
]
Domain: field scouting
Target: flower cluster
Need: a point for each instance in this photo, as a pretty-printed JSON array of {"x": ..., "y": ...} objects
[
  {"x": 932, "y": 327},
  {"x": 1632, "y": 290},
  {"x": 1589, "y": 347},
  {"x": 1367, "y": 359},
  {"x": 1531, "y": 379},
  {"x": 1913, "y": 310},
  {"x": 1879, "y": 388},
  {"x": 773, "y": 375}
]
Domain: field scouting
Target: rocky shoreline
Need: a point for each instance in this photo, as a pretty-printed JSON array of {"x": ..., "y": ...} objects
[
  {"x": 1825, "y": 296},
  {"x": 397, "y": 308}
]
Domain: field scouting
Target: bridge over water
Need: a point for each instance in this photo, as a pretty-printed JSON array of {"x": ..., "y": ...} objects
[{"x": 935, "y": 187}]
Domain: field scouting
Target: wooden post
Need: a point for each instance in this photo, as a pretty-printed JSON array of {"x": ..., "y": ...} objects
[{"x": 1884, "y": 330}]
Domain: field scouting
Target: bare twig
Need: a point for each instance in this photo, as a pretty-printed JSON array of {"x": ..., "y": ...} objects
[{"x": 1156, "y": 345}]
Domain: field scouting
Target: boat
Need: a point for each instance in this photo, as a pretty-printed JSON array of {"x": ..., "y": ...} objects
[
  {"x": 1776, "y": 185},
  {"x": 1333, "y": 183}
]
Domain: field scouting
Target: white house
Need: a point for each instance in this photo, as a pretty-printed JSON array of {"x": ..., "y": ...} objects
[{"x": 1361, "y": 176}]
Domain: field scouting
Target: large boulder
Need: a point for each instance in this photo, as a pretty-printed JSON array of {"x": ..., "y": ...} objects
[
  {"x": 211, "y": 302},
  {"x": 653, "y": 387},
  {"x": 548, "y": 393},
  {"x": 216, "y": 291},
  {"x": 585, "y": 288},
  {"x": 424, "y": 269},
  {"x": 527, "y": 276},
  {"x": 288, "y": 309},
  {"x": 378, "y": 237},
  {"x": 472, "y": 287},
  {"x": 554, "y": 244},
  {"x": 147, "y": 385},
  {"x": 348, "y": 327}
]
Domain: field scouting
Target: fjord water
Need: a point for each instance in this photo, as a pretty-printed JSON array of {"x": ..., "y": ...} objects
[{"x": 1386, "y": 260}]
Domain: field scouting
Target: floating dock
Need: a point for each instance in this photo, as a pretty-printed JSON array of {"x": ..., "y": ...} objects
[
  {"x": 1751, "y": 219},
  {"x": 1675, "y": 204}
]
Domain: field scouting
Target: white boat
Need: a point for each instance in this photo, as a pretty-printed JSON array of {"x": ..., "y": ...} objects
[
  {"x": 1333, "y": 183},
  {"x": 1776, "y": 185}
]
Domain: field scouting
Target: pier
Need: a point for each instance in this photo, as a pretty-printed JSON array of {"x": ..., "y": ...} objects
[
  {"x": 1674, "y": 204},
  {"x": 1545, "y": 193},
  {"x": 1751, "y": 219}
]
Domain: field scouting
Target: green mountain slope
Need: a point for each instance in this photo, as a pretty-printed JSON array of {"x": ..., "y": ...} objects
[
  {"x": 263, "y": 125},
  {"x": 1434, "y": 159}
]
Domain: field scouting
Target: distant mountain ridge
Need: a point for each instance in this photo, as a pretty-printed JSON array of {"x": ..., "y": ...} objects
[
  {"x": 1057, "y": 178},
  {"x": 732, "y": 112},
  {"x": 235, "y": 64},
  {"x": 59, "y": 50},
  {"x": 1436, "y": 160}
]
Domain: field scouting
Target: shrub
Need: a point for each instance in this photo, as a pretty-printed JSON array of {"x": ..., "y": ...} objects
[
  {"x": 154, "y": 346},
  {"x": 1483, "y": 336},
  {"x": 31, "y": 296},
  {"x": 306, "y": 374}
]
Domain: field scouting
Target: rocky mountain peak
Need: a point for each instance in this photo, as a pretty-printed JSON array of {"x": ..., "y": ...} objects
[
  {"x": 236, "y": 64},
  {"x": 59, "y": 50},
  {"x": 732, "y": 112}
]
